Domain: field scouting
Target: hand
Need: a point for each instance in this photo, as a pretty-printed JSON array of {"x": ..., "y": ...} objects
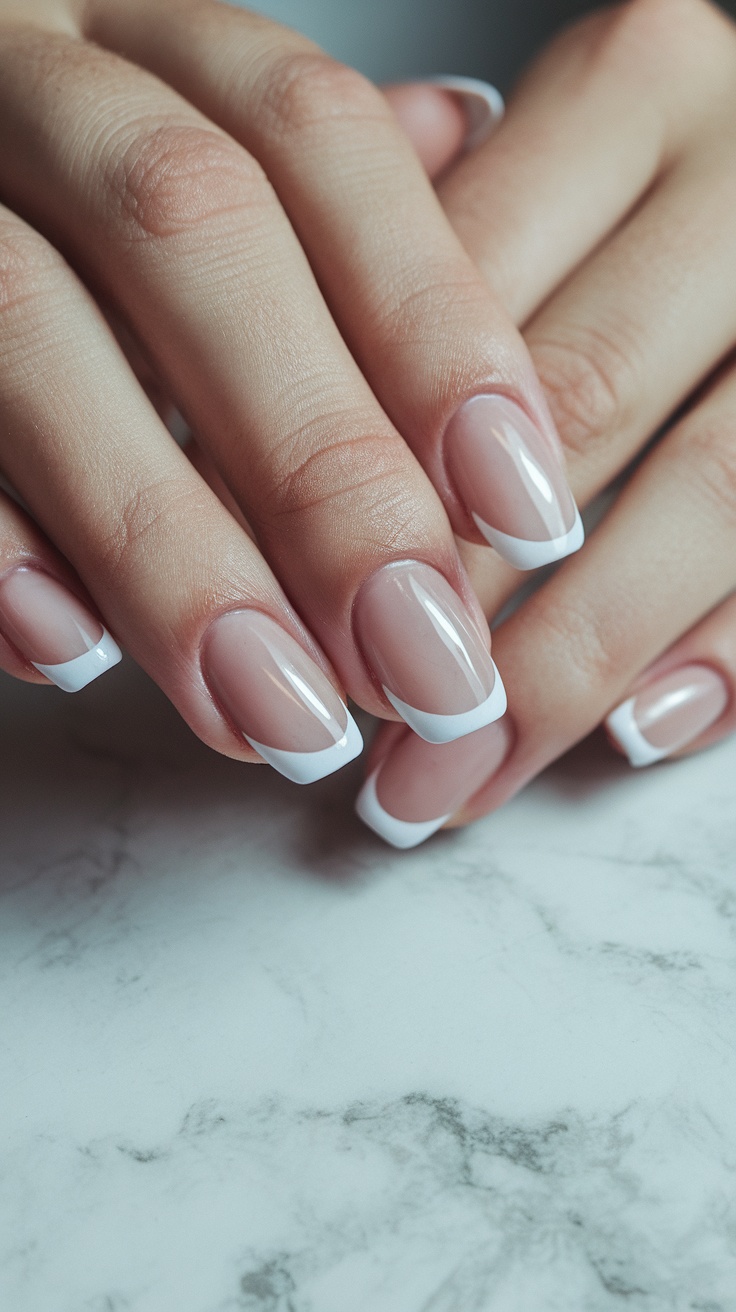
[
  {"x": 601, "y": 213},
  {"x": 253, "y": 214}
]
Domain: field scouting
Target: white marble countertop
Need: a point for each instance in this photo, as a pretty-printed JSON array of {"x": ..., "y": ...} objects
[{"x": 254, "y": 1060}]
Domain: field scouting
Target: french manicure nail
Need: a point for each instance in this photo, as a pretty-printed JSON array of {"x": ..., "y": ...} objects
[
  {"x": 429, "y": 655},
  {"x": 482, "y": 105},
  {"x": 418, "y": 786},
  {"x": 54, "y": 630},
  {"x": 278, "y": 697},
  {"x": 668, "y": 714},
  {"x": 512, "y": 483}
]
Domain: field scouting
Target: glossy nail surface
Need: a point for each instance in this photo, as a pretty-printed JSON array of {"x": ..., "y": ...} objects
[
  {"x": 54, "y": 630},
  {"x": 512, "y": 483},
  {"x": 670, "y": 713},
  {"x": 427, "y": 652},
  {"x": 280, "y": 700},
  {"x": 419, "y": 786},
  {"x": 482, "y": 105}
]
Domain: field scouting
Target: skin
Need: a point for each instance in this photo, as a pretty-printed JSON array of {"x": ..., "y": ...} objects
[
  {"x": 598, "y": 219},
  {"x": 254, "y": 216},
  {"x": 601, "y": 213}
]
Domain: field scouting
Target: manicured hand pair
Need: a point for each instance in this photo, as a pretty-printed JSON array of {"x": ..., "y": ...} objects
[{"x": 252, "y": 220}]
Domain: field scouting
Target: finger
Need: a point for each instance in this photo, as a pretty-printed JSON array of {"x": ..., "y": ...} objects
[
  {"x": 588, "y": 131},
  {"x": 444, "y": 116},
  {"x": 685, "y": 701},
  {"x": 611, "y": 380},
  {"x": 576, "y": 648},
  {"x": 633, "y": 333},
  {"x": 168, "y": 568},
  {"x": 49, "y": 629},
  {"x": 343, "y": 512},
  {"x": 414, "y": 789},
  {"x": 419, "y": 319},
  {"x": 433, "y": 121}
]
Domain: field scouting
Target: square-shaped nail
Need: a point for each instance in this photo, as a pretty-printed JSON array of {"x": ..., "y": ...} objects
[
  {"x": 54, "y": 630},
  {"x": 668, "y": 713},
  {"x": 512, "y": 483},
  {"x": 427, "y": 651},
  {"x": 419, "y": 786},
  {"x": 278, "y": 697}
]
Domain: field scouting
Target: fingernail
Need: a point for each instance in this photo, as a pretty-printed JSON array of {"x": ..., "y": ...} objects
[
  {"x": 278, "y": 697},
  {"x": 512, "y": 483},
  {"x": 54, "y": 630},
  {"x": 482, "y": 104},
  {"x": 429, "y": 655},
  {"x": 668, "y": 714},
  {"x": 418, "y": 786}
]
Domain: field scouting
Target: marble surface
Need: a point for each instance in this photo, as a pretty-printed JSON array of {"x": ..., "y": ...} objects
[{"x": 253, "y": 1061}]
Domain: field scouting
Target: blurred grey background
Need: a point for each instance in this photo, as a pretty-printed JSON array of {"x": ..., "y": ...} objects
[{"x": 390, "y": 39}]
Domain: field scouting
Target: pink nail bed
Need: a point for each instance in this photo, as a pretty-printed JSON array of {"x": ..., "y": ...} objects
[
  {"x": 671, "y": 712},
  {"x": 429, "y": 655},
  {"x": 278, "y": 697},
  {"x": 54, "y": 630},
  {"x": 481, "y": 103},
  {"x": 418, "y": 787},
  {"x": 512, "y": 483}
]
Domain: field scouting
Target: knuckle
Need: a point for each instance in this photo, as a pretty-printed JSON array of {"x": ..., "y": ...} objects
[
  {"x": 365, "y": 472},
  {"x": 588, "y": 381},
  {"x": 148, "y": 516},
  {"x": 306, "y": 89},
  {"x": 423, "y": 309},
  {"x": 173, "y": 179},
  {"x": 706, "y": 445},
  {"x": 26, "y": 261},
  {"x": 584, "y": 651}
]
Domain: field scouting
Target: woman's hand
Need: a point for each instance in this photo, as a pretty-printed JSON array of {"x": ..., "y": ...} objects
[
  {"x": 602, "y": 215},
  {"x": 253, "y": 214}
]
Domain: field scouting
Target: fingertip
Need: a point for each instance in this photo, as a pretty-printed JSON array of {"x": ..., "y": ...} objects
[
  {"x": 482, "y": 105},
  {"x": 434, "y": 121}
]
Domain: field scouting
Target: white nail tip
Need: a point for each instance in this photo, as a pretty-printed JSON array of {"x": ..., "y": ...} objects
[
  {"x": 308, "y": 767},
  {"x": 622, "y": 726},
  {"x": 73, "y": 675},
  {"x": 399, "y": 833},
  {"x": 482, "y": 103},
  {"x": 525, "y": 554},
  {"x": 446, "y": 728}
]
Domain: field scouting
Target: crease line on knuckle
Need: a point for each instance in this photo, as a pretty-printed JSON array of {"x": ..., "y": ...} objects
[
  {"x": 305, "y": 89},
  {"x": 140, "y": 516},
  {"x": 168, "y": 179},
  {"x": 588, "y": 383},
  {"x": 336, "y": 470}
]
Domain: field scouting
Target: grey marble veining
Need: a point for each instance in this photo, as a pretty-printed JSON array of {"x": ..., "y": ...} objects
[{"x": 253, "y": 1061}]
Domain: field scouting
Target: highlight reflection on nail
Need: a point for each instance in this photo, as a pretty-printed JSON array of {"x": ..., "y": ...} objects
[
  {"x": 419, "y": 786},
  {"x": 427, "y": 652},
  {"x": 668, "y": 714},
  {"x": 512, "y": 483},
  {"x": 278, "y": 697}
]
